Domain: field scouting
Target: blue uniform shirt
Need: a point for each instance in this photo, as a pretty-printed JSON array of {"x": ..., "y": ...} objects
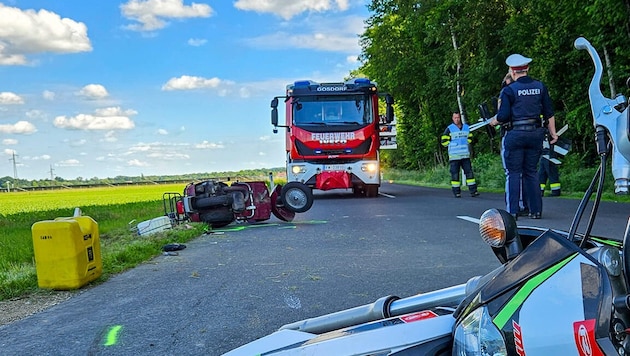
[{"x": 524, "y": 99}]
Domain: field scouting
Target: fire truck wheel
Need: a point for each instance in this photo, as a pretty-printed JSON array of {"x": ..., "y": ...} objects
[
  {"x": 297, "y": 197},
  {"x": 217, "y": 218}
]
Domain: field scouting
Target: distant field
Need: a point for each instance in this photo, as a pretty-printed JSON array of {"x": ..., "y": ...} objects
[{"x": 25, "y": 202}]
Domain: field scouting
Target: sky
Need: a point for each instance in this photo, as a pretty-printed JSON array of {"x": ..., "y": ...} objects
[{"x": 159, "y": 87}]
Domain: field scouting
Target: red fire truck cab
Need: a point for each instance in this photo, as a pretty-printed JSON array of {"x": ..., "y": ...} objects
[{"x": 333, "y": 134}]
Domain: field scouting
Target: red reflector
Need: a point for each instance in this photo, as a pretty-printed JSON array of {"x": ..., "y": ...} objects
[{"x": 333, "y": 180}]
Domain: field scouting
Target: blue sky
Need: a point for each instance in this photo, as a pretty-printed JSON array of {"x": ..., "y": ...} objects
[{"x": 159, "y": 87}]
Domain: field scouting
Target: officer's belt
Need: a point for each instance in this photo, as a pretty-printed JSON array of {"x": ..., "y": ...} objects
[{"x": 526, "y": 125}]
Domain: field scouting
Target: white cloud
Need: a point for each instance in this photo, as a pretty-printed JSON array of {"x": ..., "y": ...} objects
[
  {"x": 137, "y": 163},
  {"x": 9, "y": 141},
  {"x": 152, "y": 14},
  {"x": 321, "y": 34},
  {"x": 221, "y": 86},
  {"x": 162, "y": 132},
  {"x": 209, "y": 145},
  {"x": 331, "y": 42},
  {"x": 187, "y": 82},
  {"x": 197, "y": 42},
  {"x": 168, "y": 156},
  {"x": 78, "y": 143},
  {"x": 25, "y": 32},
  {"x": 109, "y": 137},
  {"x": 69, "y": 163},
  {"x": 48, "y": 95},
  {"x": 289, "y": 9},
  {"x": 113, "y": 118},
  {"x": 38, "y": 158},
  {"x": 93, "y": 91},
  {"x": 35, "y": 114},
  {"x": 10, "y": 152},
  {"x": 10, "y": 98},
  {"x": 115, "y": 111},
  {"x": 20, "y": 127}
]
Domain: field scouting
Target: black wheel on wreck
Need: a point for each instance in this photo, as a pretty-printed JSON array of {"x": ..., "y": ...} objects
[
  {"x": 297, "y": 197},
  {"x": 217, "y": 218}
]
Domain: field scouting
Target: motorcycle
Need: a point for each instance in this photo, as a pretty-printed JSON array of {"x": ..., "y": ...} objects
[{"x": 555, "y": 293}]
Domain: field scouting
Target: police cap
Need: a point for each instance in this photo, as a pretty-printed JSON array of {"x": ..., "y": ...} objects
[{"x": 517, "y": 61}]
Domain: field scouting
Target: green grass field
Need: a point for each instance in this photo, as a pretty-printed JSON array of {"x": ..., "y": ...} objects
[{"x": 116, "y": 210}]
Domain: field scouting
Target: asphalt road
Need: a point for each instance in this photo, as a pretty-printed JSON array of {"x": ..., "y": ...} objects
[{"x": 229, "y": 288}]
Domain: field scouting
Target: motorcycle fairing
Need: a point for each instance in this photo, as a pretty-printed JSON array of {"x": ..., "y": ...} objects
[
  {"x": 546, "y": 309},
  {"x": 539, "y": 298},
  {"x": 541, "y": 254}
]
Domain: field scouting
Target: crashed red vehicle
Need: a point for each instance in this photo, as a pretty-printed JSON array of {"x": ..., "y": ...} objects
[{"x": 218, "y": 204}]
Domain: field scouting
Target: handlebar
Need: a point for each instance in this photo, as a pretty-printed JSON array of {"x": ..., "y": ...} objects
[{"x": 606, "y": 115}]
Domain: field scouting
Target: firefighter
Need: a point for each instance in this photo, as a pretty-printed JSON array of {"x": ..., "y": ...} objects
[
  {"x": 521, "y": 105},
  {"x": 548, "y": 170},
  {"x": 457, "y": 137}
]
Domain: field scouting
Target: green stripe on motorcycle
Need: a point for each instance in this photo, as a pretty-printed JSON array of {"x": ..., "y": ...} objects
[
  {"x": 512, "y": 306},
  {"x": 612, "y": 243}
]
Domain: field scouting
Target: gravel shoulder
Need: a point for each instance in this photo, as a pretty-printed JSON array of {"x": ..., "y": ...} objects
[{"x": 18, "y": 308}]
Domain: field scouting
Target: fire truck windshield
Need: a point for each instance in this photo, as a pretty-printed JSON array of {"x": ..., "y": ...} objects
[{"x": 332, "y": 110}]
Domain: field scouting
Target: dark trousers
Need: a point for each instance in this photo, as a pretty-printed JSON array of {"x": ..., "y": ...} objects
[
  {"x": 549, "y": 170},
  {"x": 455, "y": 167},
  {"x": 521, "y": 152}
]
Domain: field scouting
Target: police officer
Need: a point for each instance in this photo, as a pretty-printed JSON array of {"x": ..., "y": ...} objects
[
  {"x": 457, "y": 138},
  {"x": 521, "y": 105}
]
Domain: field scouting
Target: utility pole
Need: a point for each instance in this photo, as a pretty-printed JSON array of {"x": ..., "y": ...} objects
[
  {"x": 52, "y": 177},
  {"x": 15, "y": 175}
]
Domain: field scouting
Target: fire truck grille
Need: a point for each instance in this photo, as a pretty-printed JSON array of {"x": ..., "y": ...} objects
[{"x": 333, "y": 149}]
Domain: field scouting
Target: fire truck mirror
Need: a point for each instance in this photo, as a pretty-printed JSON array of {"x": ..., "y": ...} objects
[
  {"x": 389, "y": 114},
  {"x": 274, "y": 116},
  {"x": 389, "y": 109},
  {"x": 274, "y": 103}
]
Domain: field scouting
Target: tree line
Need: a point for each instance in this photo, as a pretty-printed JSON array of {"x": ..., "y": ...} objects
[
  {"x": 436, "y": 56},
  {"x": 9, "y": 183}
]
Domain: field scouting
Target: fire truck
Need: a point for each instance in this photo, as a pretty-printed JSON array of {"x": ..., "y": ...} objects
[{"x": 334, "y": 134}]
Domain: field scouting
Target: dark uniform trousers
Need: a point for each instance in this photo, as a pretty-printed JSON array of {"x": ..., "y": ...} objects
[
  {"x": 549, "y": 170},
  {"x": 521, "y": 153}
]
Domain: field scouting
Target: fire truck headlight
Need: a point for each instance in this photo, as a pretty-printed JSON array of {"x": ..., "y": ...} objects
[
  {"x": 298, "y": 169},
  {"x": 369, "y": 167}
]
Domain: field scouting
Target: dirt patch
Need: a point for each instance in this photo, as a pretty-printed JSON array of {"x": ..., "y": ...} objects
[{"x": 19, "y": 308}]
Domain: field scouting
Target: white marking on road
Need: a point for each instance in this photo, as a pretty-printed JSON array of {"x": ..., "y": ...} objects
[
  {"x": 292, "y": 301},
  {"x": 387, "y": 195},
  {"x": 468, "y": 218}
]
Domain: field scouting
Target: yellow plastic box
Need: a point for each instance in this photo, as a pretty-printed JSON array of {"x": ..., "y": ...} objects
[{"x": 67, "y": 252}]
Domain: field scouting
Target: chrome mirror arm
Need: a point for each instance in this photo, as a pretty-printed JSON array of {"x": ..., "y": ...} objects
[{"x": 616, "y": 123}]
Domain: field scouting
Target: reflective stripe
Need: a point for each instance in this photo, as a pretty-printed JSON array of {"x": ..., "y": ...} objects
[
  {"x": 554, "y": 186},
  {"x": 542, "y": 187},
  {"x": 471, "y": 181},
  {"x": 455, "y": 184}
]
